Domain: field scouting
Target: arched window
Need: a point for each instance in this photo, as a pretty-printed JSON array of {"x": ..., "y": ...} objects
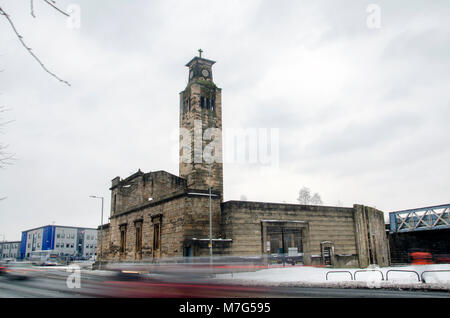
[{"x": 202, "y": 102}]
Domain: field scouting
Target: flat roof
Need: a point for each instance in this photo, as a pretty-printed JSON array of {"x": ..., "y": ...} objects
[{"x": 63, "y": 226}]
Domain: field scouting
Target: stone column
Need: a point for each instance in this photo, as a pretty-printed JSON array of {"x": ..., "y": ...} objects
[{"x": 361, "y": 235}]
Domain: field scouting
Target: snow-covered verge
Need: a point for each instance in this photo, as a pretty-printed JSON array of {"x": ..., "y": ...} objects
[{"x": 435, "y": 277}]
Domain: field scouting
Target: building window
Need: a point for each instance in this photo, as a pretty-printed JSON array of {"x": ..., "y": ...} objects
[
  {"x": 202, "y": 102},
  {"x": 185, "y": 106},
  {"x": 123, "y": 238},
  {"x": 284, "y": 240},
  {"x": 156, "y": 236},
  {"x": 138, "y": 237}
]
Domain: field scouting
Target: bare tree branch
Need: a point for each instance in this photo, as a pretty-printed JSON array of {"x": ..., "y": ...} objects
[
  {"x": 5, "y": 158},
  {"x": 53, "y": 4},
  {"x": 50, "y": 3},
  {"x": 32, "y": 8},
  {"x": 2, "y": 12}
]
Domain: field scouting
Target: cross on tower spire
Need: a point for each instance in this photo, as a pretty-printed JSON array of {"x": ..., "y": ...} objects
[{"x": 200, "y": 51}]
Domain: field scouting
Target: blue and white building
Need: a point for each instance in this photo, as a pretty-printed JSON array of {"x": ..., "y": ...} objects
[{"x": 77, "y": 242}]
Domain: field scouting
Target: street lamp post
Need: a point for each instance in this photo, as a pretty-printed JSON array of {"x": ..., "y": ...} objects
[{"x": 101, "y": 235}]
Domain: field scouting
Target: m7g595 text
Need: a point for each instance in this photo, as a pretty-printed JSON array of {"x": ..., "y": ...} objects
[{"x": 246, "y": 307}]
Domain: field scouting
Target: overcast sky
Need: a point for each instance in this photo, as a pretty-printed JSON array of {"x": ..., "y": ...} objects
[{"x": 362, "y": 108}]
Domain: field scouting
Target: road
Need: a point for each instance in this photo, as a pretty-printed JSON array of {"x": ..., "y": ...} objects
[{"x": 54, "y": 284}]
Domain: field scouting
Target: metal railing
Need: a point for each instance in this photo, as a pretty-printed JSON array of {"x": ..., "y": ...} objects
[
  {"x": 432, "y": 271},
  {"x": 420, "y": 277},
  {"x": 402, "y": 270},
  {"x": 351, "y": 276},
  {"x": 369, "y": 270}
]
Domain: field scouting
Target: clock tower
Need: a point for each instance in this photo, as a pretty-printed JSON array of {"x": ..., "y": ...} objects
[{"x": 201, "y": 162}]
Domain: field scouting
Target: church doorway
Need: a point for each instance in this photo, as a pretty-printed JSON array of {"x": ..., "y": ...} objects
[{"x": 187, "y": 251}]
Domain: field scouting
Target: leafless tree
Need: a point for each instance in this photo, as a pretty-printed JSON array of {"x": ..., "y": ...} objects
[
  {"x": 5, "y": 157},
  {"x": 8, "y": 17},
  {"x": 316, "y": 199},
  {"x": 305, "y": 197}
]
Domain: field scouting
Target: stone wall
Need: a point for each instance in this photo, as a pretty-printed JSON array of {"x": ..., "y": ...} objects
[
  {"x": 103, "y": 242},
  {"x": 182, "y": 218},
  {"x": 357, "y": 234},
  {"x": 149, "y": 214},
  {"x": 242, "y": 222},
  {"x": 372, "y": 244},
  {"x": 140, "y": 187}
]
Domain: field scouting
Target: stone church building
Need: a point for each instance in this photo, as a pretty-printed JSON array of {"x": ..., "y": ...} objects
[{"x": 158, "y": 214}]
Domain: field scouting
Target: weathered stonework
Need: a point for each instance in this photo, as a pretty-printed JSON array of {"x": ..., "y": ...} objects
[
  {"x": 201, "y": 114},
  {"x": 243, "y": 222},
  {"x": 157, "y": 214}
]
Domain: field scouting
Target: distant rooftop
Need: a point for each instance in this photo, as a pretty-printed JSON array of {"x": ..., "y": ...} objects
[{"x": 64, "y": 226}]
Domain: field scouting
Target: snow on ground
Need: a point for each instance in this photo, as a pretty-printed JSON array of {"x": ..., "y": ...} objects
[{"x": 434, "y": 277}]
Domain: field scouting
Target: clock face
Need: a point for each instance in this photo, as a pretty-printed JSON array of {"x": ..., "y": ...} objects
[{"x": 205, "y": 73}]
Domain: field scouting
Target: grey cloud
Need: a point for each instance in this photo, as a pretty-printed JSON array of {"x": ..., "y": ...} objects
[{"x": 360, "y": 135}]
